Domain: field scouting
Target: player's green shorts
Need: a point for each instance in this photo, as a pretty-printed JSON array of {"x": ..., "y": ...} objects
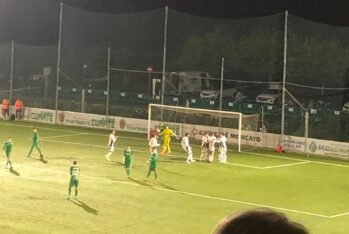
[
  {"x": 74, "y": 182},
  {"x": 127, "y": 163},
  {"x": 152, "y": 168}
]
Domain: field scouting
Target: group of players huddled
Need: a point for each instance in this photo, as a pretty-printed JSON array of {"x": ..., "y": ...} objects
[
  {"x": 208, "y": 142},
  {"x": 208, "y": 145}
]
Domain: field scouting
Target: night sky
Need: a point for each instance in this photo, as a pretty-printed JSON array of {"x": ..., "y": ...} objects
[{"x": 35, "y": 22}]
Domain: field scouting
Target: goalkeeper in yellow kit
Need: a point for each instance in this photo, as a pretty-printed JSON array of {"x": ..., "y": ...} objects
[{"x": 167, "y": 133}]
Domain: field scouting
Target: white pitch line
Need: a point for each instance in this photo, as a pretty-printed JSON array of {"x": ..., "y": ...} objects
[
  {"x": 91, "y": 133},
  {"x": 81, "y": 132},
  {"x": 246, "y": 203},
  {"x": 300, "y": 160},
  {"x": 338, "y": 215},
  {"x": 84, "y": 144},
  {"x": 242, "y": 165},
  {"x": 187, "y": 193},
  {"x": 232, "y": 164},
  {"x": 224, "y": 199},
  {"x": 331, "y": 164},
  {"x": 104, "y": 147},
  {"x": 278, "y": 157},
  {"x": 142, "y": 139},
  {"x": 204, "y": 196},
  {"x": 99, "y": 146},
  {"x": 286, "y": 165},
  {"x": 67, "y": 135}
]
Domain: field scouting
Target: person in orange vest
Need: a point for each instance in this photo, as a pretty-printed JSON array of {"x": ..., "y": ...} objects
[
  {"x": 6, "y": 108},
  {"x": 19, "y": 108}
]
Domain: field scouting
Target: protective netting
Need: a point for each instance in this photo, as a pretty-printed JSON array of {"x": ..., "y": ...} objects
[
  {"x": 253, "y": 54},
  {"x": 206, "y": 117},
  {"x": 34, "y": 76},
  {"x": 135, "y": 42},
  {"x": 128, "y": 53},
  {"x": 318, "y": 77},
  {"x": 252, "y": 48},
  {"x": 5, "y": 70}
]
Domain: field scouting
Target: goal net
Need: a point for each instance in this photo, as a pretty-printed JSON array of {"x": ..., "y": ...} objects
[{"x": 196, "y": 122}]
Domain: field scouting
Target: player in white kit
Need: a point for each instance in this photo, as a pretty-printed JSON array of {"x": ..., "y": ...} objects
[
  {"x": 204, "y": 147},
  {"x": 111, "y": 144},
  {"x": 153, "y": 143},
  {"x": 211, "y": 147},
  {"x": 187, "y": 148},
  {"x": 222, "y": 149}
]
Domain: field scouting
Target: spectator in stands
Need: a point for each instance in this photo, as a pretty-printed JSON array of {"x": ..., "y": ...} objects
[
  {"x": 6, "y": 109},
  {"x": 19, "y": 108},
  {"x": 260, "y": 221}
]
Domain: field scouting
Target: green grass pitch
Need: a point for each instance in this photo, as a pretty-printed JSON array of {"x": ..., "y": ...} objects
[{"x": 186, "y": 198}]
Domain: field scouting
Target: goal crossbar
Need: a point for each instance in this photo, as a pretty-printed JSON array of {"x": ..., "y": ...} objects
[{"x": 221, "y": 114}]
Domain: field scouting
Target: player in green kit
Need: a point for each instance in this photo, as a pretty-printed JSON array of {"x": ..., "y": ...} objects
[
  {"x": 153, "y": 161},
  {"x": 7, "y": 150},
  {"x": 74, "y": 179},
  {"x": 36, "y": 143},
  {"x": 128, "y": 155}
]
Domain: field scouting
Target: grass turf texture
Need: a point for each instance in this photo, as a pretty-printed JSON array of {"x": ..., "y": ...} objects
[{"x": 186, "y": 199}]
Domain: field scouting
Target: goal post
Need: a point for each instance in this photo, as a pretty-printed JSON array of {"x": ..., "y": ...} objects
[{"x": 196, "y": 121}]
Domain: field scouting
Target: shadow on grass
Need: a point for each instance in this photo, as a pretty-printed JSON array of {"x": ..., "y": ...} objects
[
  {"x": 117, "y": 163},
  {"x": 166, "y": 186},
  {"x": 172, "y": 159},
  {"x": 37, "y": 198},
  {"x": 85, "y": 207},
  {"x": 40, "y": 159},
  {"x": 64, "y": 158},
  {"x": 43, "y": 160},
  {"x": 13, "y": 171},
  {"x": 139, "y": 166},
  {"x": 171, "y": 172},
  {"x": 143, "y": 183}
]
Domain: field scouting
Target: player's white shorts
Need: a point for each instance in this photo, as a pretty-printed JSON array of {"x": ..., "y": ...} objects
[
  {"x": 112, "y": 148},
  {"x": 185, "y": 148}
]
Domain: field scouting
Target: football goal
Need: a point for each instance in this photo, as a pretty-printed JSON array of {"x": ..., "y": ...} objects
[{"x": 197, "y": 122}]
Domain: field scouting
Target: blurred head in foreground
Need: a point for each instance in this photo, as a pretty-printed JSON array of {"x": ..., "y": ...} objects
[{"x": 260, "y": 221}]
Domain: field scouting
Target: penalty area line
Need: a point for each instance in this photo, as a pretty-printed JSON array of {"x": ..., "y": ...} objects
[
  {"x": 182, "y": 192},
  {"x": 278, "y": 157},
  {"x": 175, "y": 156},
  {"x": 286, "y": 165},
  {"x": 299, "y": 160},
  {"x": 67, "y": 135},
  {"x": 339, "y": 215},
  {"x": 231, "y": 164},
  {"x": 216, "y": 198},
  {"x": 242, "y": 165},
  {"x": 195, "y": 146},
  {"x": 74, "y": 131}
]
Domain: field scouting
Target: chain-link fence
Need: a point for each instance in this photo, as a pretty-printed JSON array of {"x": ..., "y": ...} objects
[{"x": 116, "y": 64}]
